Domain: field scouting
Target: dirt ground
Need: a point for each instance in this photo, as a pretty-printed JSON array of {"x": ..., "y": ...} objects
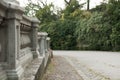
[{"x": 60, "y": 69}]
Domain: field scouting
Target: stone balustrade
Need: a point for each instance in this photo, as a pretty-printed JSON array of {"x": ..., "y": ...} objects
[
  {"x": 44, "y": 45},
  {"x": 20, "y": 43}
]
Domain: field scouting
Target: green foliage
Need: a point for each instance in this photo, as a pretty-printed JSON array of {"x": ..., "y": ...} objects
[
  {"x": 31, "y": 8},
  {"x": 43, "y": 11},
  {"x": 45, "y": 14},
  {"x": 62, "y": 29},
  {"x": 113, "y": 11},
  {"x": 100, "y": 31},
  {"x": 90, "y": 32},
  {"x": 73, "y": 28},
  {"x": 100, "y": 8},
  {"x": 71, "y": 8},
  {"x": 62, "y": 34}
]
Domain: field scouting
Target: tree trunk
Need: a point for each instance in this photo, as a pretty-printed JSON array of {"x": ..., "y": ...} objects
[{"x": 88, "y": 4}]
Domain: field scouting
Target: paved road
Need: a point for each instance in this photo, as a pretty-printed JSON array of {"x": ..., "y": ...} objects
[{"x": 94, "y": 65}]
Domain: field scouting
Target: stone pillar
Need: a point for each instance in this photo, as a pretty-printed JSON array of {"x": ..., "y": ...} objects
[
  {"x": 43, "y": 43},
  {"x": 46, "y": 50},
  {"x": 39, "y": 43},
  {"x": 49, "y": 48},
  {"x": 48, "y": 43},
  {"x": 14, "y": 70},
  {"x": 35, "y": 25},
  {"x": 18, "y": 41}
]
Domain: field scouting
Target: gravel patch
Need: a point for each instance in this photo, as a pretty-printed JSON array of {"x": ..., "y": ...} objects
[{"x": 60, "y": 69}]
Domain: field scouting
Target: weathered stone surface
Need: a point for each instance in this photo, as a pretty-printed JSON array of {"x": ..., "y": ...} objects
[
  {"x": 19, "y": 43},
  {"x": 32, "y": 69},
  {"x": 3, "y": 75},
  {"x": 12, "y": 2}
]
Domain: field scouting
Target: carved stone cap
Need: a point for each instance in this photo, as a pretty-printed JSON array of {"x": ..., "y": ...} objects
[
  {"x": 48, "y": 38},
  {"x": 35, "y": 20},
  {"x": 12, "y": 2},
  {"x": 42, "y": 33},
  {"x": 11, "y": 5}
]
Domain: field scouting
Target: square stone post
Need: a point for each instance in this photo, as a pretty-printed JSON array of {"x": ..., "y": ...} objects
[
  {"x": 45, "y": 44},
  {"x": 14, "y": 70},
  {"x": 35, "y": 25},
  {"x": 39, "y": 44},
  {"x": 49, "y": 48},
  {"x": 42, "y": 43},
  {"x": 48, "y": 43}
]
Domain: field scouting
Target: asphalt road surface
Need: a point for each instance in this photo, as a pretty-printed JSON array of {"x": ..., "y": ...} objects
[{"x": 93, "y": 65}]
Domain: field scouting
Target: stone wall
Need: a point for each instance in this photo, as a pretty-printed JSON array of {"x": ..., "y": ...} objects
[{"x": 21, "y": 46}]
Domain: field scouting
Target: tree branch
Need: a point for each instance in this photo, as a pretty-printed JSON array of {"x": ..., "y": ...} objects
[{"x": 68, "y": 2}]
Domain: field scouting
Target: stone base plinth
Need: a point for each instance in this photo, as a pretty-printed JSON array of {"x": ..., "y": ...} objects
[
  {"x": 15, "y": 74},
  {"x": 3, "y": 75}
]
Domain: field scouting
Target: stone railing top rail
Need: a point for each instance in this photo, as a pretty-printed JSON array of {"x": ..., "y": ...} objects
[{"x": 29, "y": 20}]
